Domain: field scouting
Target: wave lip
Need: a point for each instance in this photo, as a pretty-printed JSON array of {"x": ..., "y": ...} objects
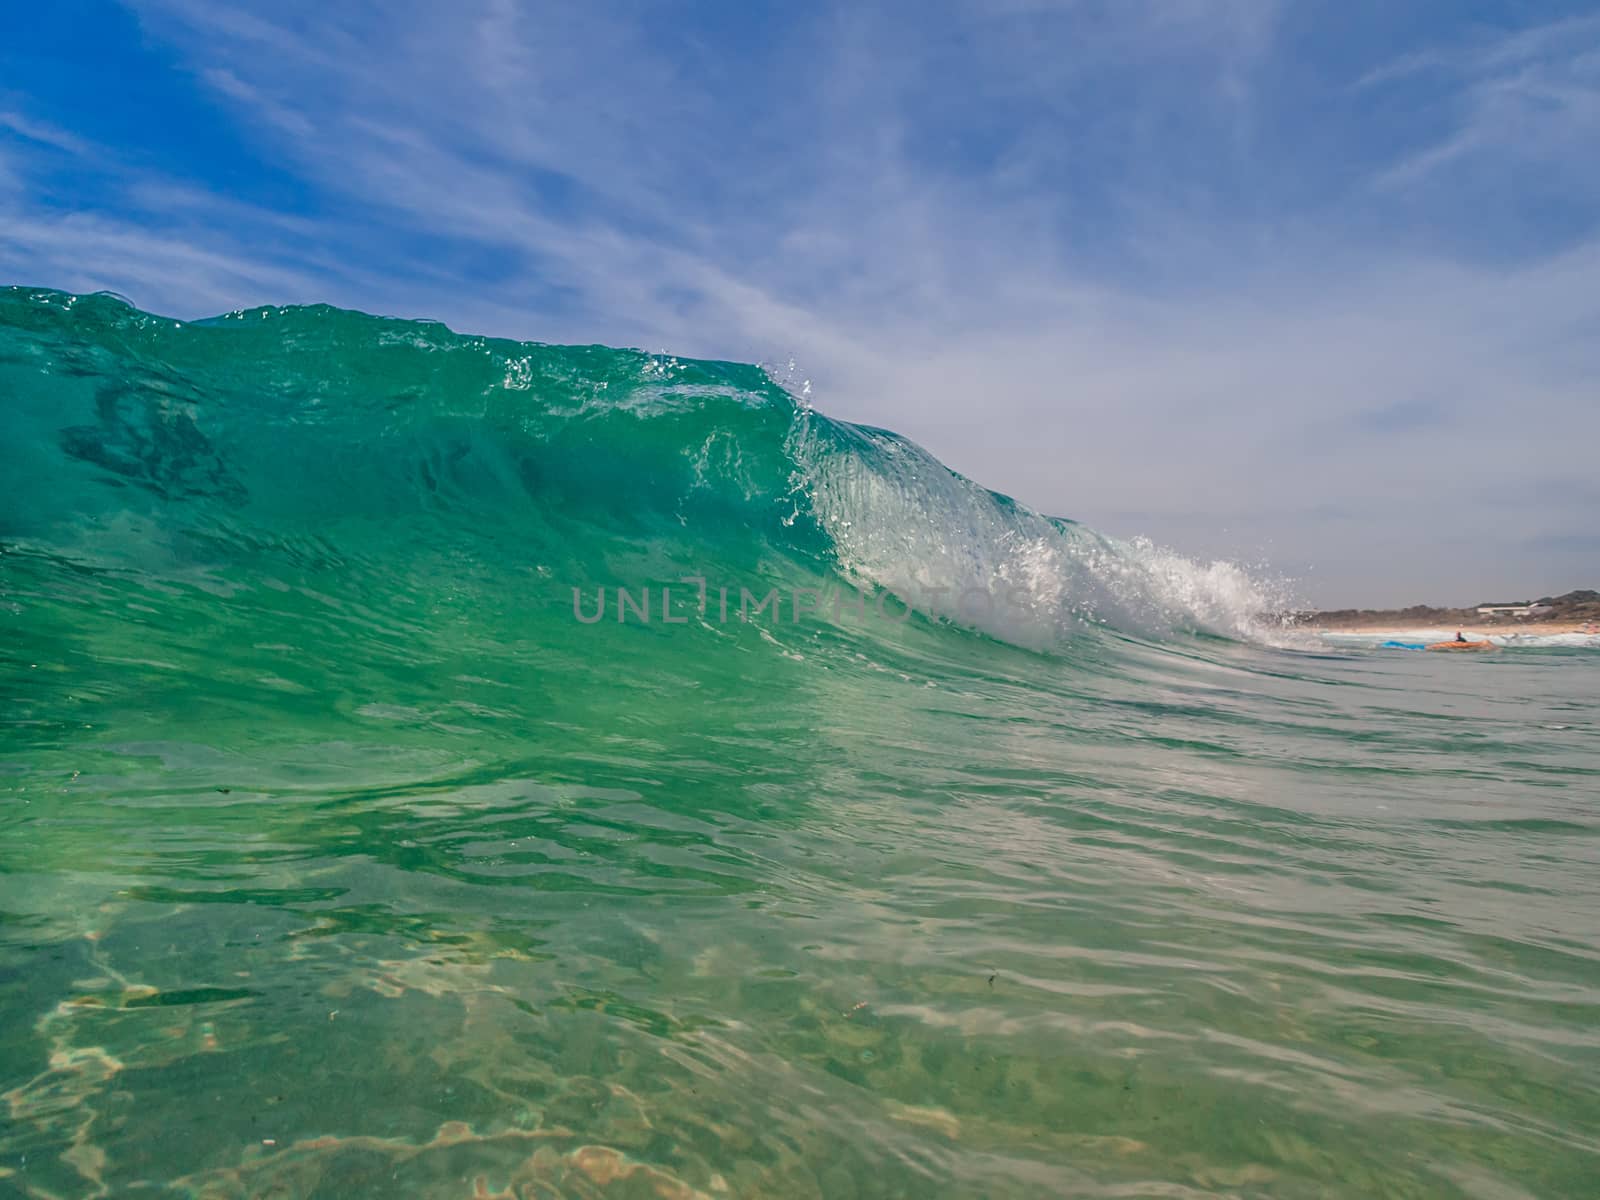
[{"x": 900, "y": 519}]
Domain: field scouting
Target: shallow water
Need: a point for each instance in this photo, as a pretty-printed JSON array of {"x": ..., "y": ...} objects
[{"x": 338, "y": 860}]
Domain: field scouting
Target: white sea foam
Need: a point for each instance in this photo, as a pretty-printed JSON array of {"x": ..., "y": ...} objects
[{"x": 900, "y": 519}]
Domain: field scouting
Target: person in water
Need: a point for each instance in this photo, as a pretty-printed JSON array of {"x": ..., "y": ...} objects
[{"x": 1459, "y": 638}]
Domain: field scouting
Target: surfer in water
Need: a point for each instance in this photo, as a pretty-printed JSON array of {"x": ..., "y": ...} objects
[{"x": 1459, "y": 638}]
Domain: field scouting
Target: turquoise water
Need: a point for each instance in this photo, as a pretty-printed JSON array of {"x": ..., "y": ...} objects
[{"x": 340, "y": 858}]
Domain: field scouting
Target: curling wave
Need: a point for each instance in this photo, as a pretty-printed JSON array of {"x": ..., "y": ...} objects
[{"x": 313, "y": 432}]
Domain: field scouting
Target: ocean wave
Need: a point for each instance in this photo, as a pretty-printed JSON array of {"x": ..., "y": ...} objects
[{"x": 277, "y": 430}]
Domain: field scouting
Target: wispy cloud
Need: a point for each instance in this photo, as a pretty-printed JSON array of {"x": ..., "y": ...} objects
[
  {"x": 1531, "y": 96},
  {"x": 40, "y": 133}
]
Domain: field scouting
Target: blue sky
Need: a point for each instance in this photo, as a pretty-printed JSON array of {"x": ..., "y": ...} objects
[{"x": 1317, "y": 283}]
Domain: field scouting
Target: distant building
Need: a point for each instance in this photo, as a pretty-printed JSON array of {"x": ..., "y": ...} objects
[{"x": 1511, "y": 610}]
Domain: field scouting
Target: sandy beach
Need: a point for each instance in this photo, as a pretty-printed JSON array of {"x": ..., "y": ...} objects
[{"x": 1473, "y": 632}]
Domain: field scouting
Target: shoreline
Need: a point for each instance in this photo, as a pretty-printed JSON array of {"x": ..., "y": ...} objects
[{"x": 1472, "y": 631}]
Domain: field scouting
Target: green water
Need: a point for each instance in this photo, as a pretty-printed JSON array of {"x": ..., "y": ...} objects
[{"x": 337, "y": 859}]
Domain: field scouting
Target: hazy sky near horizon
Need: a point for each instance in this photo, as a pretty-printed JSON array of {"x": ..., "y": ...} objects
[{"x": 1311, "y": 283}]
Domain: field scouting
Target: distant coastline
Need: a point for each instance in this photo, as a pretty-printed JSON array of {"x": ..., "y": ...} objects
[{"x": 1574, "y": 612}]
